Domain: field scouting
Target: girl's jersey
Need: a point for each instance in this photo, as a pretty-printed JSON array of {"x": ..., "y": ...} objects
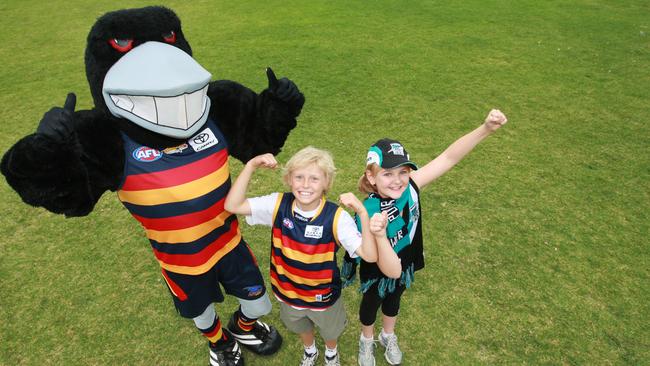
[
  {"x": 304, "y": 273},
  {"x": 177, "y": 194},
  {"x": 404, "y": 231}
]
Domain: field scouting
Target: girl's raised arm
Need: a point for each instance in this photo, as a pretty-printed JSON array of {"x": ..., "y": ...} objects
[{"x": 458, "y": 150}]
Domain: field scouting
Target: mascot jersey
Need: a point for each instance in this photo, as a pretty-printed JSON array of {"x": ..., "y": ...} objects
[
  {"x": 177, "y": 195},
  {"x": 304, "y": 273}
]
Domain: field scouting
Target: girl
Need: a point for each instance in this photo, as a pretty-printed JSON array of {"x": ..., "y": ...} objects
[{"x": 392, "y": 182}]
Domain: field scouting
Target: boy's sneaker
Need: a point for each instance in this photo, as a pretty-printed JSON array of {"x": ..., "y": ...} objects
[
  {"x": 366, "y": 352},
  {"x": 309, "y": 359},
  {"x": 332, "y": 361},
  {"x": 263, "y": 339},
  {"x": 393, "y": 354},
  {"x": 227, "y": 353}
]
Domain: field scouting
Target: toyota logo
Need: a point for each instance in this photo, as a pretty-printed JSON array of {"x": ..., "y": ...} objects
[{"x": 201, "y": 138}]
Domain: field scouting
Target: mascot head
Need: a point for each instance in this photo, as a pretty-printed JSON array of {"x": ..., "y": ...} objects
[{"x": 140, "y": 68}]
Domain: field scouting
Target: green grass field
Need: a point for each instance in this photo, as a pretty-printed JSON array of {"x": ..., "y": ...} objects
[{"x": 536, "y": 244}]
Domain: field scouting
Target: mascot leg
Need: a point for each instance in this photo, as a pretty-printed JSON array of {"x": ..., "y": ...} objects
[
  {"x": 240, "y": 276},
  {"x": 255, "y": 335},
  {"x": 224, "y": 350}
]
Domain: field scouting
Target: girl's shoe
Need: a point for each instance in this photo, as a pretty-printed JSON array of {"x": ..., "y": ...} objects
[
  {"x": 393, "y": 354},
  {"x": 366, "y": 352}
]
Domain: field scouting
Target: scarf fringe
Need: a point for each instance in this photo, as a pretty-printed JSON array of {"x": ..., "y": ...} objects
[
  {"x": 348, "y": 273},
  {"x": 387, "y": 285}
]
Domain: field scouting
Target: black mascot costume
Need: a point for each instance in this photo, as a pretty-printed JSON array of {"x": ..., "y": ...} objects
[{"x": 160, "y": 135}]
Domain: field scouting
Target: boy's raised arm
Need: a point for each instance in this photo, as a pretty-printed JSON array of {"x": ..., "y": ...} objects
[
  {"x": 236, "y": 201},
  {"x": 457, "y": 151}
]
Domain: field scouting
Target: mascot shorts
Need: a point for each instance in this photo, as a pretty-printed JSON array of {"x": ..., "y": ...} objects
[{"x": 237, "y": 272}]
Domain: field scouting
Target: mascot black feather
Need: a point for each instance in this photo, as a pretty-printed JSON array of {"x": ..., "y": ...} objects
[{"x": 160, "y": 135}]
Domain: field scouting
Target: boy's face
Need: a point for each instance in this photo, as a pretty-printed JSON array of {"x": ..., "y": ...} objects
[
  {"x": 390, "y": 183},
  {"x": 308, "y": 185}
]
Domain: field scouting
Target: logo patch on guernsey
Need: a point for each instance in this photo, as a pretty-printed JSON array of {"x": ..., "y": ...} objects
[
  {"x": 287, "y": 223},
  {"x": 146, "y": 154},
  {"x": 203, "y": 140},
  {"x": 314, "y": 232},
  {"x": 175, "y": 149},
  {"x": 325, "y": 297},
  {"x": 254, "y": 290}
]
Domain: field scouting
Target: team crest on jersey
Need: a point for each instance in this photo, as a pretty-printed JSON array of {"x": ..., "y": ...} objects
[
  {"x": 175, "y": 149},
  {"x": 414, "y": 212},
  {"x": 287, "y": 223},
  {"x": 313, "y": 231},
  {"x": 146, "y": 154},
  {"x": 203, "y": 140}
]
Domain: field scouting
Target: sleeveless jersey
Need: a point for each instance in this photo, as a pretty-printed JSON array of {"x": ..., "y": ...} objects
[
  {"x": 177, "y": 195},
  {"x": 304, "y": 273}
]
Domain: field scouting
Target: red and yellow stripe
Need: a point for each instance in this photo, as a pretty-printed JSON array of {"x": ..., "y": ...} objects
[
  {"x": 176, "y": 193},
  {"x": 201, "y": 262}
]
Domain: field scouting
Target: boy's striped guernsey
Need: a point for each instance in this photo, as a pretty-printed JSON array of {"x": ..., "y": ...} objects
[
  {"x": 304, "y": 273},
  {"x": 177, "y": 195}
]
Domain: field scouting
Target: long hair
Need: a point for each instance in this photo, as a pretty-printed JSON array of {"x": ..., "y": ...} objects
[{"x": 364, "y": 184}]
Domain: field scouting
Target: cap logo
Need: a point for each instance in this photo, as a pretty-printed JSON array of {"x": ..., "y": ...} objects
[
  {"x": 373, "y": 157},
  {"x": 396, "y": 149}
]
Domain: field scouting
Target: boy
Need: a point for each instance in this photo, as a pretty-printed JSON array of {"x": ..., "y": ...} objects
[{"x": 306, "y": 230}]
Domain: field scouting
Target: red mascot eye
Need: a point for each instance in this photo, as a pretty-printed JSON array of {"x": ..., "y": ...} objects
[
  {"x": 121, "y": 45},
  {"x": 170, "y": 37}
]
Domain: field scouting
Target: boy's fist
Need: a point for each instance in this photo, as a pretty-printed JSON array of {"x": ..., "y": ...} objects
[
  {"x": 264, "y": 161},
  {"x": 351, "y": 201}
]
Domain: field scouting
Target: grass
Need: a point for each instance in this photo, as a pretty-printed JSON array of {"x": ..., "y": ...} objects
[{"x": 536, "y": 244}]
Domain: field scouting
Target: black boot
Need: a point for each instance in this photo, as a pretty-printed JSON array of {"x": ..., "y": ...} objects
[
  {"x": 226, "y": 353},
  {"x": 263, "y": 339}
]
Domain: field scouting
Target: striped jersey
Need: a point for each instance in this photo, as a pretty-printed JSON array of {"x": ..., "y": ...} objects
[
  {"x": 177, "y": 195},
  {"x": 304, "y": 273}
]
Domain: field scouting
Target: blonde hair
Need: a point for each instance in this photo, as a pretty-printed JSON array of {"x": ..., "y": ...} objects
[
  {"x": 364, "y": 184},
  {"x": 307, "y": 156}
]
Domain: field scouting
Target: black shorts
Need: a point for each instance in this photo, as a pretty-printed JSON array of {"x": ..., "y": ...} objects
[{"x": 237, "y": 272}]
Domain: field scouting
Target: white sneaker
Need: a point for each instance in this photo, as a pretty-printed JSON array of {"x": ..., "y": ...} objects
[
  {"x": 309, "y": 359},
  {"x": 334, "y": 361},
  {"x": 393, "y": 354},
  {"x": 366, "y": 352}
]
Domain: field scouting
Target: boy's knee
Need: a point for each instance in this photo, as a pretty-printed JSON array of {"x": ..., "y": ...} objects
[
  {"x": 206, "y": 318},
  {"x": 257, "y": 308}
]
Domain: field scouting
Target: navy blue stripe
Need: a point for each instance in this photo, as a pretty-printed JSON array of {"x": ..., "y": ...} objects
[
  {"x": 286, "y": 279},
  {"x": 197, "y": 245},
  {"x": 180, "y": 208},
  {"x": 305, "y": 266},
  {"x": 170, "y": 161}
]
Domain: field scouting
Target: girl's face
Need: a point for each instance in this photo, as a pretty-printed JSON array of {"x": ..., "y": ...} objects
[
  {"x": 390, "y": 183},
  {"x": 308, "y": 185}
]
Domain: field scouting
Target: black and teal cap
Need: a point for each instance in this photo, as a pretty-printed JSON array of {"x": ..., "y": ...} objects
[{"x": 389, "y": 154}]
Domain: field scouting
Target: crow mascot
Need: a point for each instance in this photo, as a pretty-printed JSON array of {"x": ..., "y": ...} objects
[{"x": 160, "y": 135}]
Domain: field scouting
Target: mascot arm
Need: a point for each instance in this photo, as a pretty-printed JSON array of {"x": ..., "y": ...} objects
[
  {"x": 254, "y": 124},
  {"x": 64, "y": 169}
]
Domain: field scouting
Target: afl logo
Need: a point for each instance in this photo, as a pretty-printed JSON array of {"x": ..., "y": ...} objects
[
  {"x": 287, "y": 223},
  {"x": 146, "y": 154}
]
